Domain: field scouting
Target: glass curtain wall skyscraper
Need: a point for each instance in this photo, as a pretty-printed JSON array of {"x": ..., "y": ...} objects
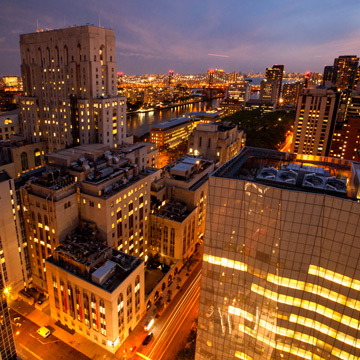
[{"x": 281, "y": 276}]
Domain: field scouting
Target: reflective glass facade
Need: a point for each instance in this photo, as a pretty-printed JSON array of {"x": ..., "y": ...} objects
[{"x": 281, "y": 276}]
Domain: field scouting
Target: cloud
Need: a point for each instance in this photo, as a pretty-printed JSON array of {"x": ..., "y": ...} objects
[{"x": 2, "y": 39}]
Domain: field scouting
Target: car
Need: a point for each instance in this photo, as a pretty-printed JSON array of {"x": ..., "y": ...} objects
[
  {"x": 148, "y": 339},
  {"x": 44, "y": 332}
]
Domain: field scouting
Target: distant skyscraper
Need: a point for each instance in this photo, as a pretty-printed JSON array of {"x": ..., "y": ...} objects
[
  {"x": 346, "y": 71},
  {"x": 238, "y": 91},
  {"x": 291, "y": 93},
  {"x": 329, "y": 76},
  {"x": 70, "y": 94},
  {"x": 343, "y": 73},
  {"x": 269, "y": 90},
  {"x": 275, "y": 73},
  {"x": 280, "y": 274},
  {"x": 315, "y": 120}
]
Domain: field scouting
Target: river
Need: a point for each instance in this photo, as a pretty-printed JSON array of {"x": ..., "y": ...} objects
[{"x": 141, "y": 123}]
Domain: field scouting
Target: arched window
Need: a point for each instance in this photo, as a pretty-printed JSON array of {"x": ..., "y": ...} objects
[
  {"x": 66, "y": 55},
  {"x": 40, "y": 57},
  {"x": 39, "y": 218},
  {"x": 24, "y": 162},
  {"x": 46, "y": 221},
  {"x": 101, "y": 54},
  {"x": 78, "y": 52},
  {"x": 57, "y": 55},
  {"x": 48, "y": 56},
  {"x": 166, "y": 240},
  {"x": 172, "y": 242},
  {"x": 129, "y": 304},
  {"x": 37, "y": 157},
  {"x": 137, "y": 294}
]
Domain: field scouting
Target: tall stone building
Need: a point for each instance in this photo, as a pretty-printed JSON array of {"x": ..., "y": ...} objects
[{"x": 70, "y": 95}]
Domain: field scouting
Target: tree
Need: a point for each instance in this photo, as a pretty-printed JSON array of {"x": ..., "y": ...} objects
[{"x": 263, "y": 130}]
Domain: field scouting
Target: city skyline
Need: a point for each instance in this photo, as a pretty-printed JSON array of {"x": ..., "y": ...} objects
[{"x": 188, "y": 37}]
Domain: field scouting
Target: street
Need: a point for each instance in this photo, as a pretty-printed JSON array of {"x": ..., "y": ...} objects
[
  {"x": 31, "y": 346},
  {"x": 175, "y": 323}
]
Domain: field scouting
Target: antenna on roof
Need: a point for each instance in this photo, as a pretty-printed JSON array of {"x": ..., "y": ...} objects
[
  {"x": 37, "y": 24},
  {"x": 99, "y": 21}
]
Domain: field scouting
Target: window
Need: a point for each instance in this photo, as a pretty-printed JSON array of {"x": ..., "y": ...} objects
[
  {"x": 24, "y": 162},
  {"x": 172, "y": 242},
  {"x": 166, "y": 240},
  {"x": 121, "y": 313},
  {"x": 137, "y": 294},
  {"x": 129, "y": 304}
]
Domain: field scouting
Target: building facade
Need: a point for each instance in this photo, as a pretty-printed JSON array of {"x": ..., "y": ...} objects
[
  {"x": 89, "y": 183},
  {"x": 95, "y": 290},
  {"x": 172, "y": 133},
  {"x": 345, "y": 143},
  {"x": 69, "y": 78},
  {"x": 14, "y": 263},
  {"x": 280, "y": 266},
  {"x": 270, "y": 90},
  {"x": 291, "y": 93},
  {"x": 179, "y": 201},
  {"x": 315, "y": 121},
  {"x": 9, "y": 124},
  {"x": 216, "y": 142},
  {"x": 7, "y": 343}
]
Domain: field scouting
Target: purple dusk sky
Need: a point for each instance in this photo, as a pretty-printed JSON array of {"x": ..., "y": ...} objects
[{"x": 153, "y": 36}]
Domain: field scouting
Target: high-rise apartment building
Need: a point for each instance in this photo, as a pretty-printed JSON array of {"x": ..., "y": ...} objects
[
  {"x": 315, "y": 120},
  {"x": 280, "y": 277},
  {"x": 346, "y": 70},
  {"x": 70, "y": 94},
  {"x": 343, "y": 73},
  {"x": 275, "y": 73},
  {"x": 345, "y": 143},
  {"x": 269, "y": 90},
  {"x": 291, "y": 93}
]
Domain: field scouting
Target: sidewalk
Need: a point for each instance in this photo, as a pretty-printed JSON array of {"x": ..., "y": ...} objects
[
  {"x": 89, "y": 348},
  {"x": 77, "y": 341}
]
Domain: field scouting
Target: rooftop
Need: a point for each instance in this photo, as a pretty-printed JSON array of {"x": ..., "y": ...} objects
[
  {"x": 208, "y": 114},
  {"x": 88, "y": 258},
  {"x": 215, "y": 127},
  {"x": 298, "y": 172},
  {"x": 173, "y": 123},
  {"x": 174, "y": 210}
]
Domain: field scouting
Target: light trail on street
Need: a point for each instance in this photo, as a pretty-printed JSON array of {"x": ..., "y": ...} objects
[{"x": 174, "y": 321}]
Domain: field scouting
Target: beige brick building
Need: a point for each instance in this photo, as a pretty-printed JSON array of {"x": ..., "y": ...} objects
[
  {"x": 69, "y": 78},
  {"x": 216, "y": 142},
  {"x": 179, "y": 201},
  {"x": 94, "y": 289}
]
